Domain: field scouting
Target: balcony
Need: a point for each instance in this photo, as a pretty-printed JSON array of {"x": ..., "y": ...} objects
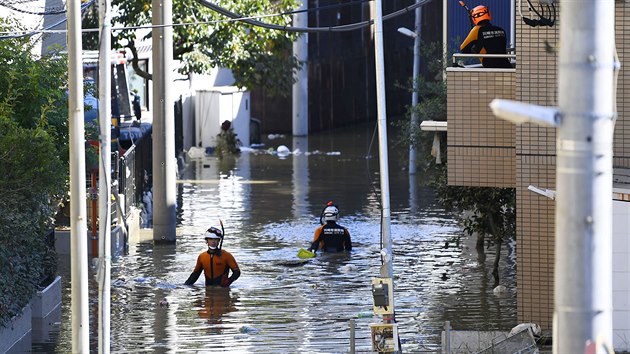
[{"x": 481, "y": 148}]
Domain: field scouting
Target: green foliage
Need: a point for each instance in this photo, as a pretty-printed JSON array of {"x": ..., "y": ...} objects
[
  {"x": 258, "y": 57},
  {"x": 33, "y": 161},
  {"x": 32, "y": 179},
  {"x": 489, "y": 211},
  {"x": 32, "y": 90},
  {"x": 431, "y": 105}
]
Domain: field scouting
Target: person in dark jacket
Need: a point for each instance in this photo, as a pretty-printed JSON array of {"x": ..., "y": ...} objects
[
  {"x": 331, "y": 237},
  {"x": 486, "y": 38},
  {"x": 137, "y": 110},
  {"x": 215, "y": 263}
]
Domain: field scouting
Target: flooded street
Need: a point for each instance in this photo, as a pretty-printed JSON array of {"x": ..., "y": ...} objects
[{"x": 270, "y": 207}]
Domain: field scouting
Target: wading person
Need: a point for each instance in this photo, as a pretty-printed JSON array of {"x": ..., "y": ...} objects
[
  {"x": 215, "y": 263},
  {"x": 486, "y": 38},
  {"x": 330, "y": 236}
]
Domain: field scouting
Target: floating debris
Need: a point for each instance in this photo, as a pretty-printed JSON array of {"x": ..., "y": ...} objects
[{"x": 249, "y": 329}]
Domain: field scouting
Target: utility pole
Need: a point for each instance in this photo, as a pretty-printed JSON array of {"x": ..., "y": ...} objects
[
  {"x": 105, "y": 176},
  {"x": 78, "y": 208},
  {"x": 164, "y": 163},
  {"x": 416, "y": 87},
  {"x": 387, "y": 267},
  {"x": 300, "y": 87},
  {"x": 383, "y": 286},
  {"x": 583, "y": 266}
]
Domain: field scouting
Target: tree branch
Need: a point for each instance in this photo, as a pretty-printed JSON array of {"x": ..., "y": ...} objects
[{"x": 134, "y": 62}]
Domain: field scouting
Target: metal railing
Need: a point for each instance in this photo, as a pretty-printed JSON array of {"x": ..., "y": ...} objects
[
  {"x": 127, "y": 185},
  {"x": 133, "y": 169},
  {"x": 457, "y": 56}
]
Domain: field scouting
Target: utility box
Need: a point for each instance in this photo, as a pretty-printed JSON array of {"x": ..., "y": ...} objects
[
  {"x": 216, "y": 105},
  {"x": 384, "y": 337},
  {"x": 383, "y": 295}
]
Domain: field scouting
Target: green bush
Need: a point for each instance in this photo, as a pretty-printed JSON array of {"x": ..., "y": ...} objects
[{"x": 33, "y": 165}]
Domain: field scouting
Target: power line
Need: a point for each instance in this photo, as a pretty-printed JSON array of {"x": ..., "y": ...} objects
[
  {"x": 237, "y": 17},
  {"x": 52, "y": 10},
  {"x": 47, "y": 29},
  {"x": 342, "y": 28}
]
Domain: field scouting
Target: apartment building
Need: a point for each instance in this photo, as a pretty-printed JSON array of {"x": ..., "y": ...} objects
[{"x": 486, "y": 151}]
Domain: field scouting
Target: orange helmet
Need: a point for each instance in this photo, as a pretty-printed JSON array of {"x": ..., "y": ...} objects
[{"x": 480, "y": 13}]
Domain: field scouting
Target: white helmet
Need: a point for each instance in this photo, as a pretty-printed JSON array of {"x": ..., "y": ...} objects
[
  {"x": 331, "y": 213},
  {"x": 213, "y": 232}
]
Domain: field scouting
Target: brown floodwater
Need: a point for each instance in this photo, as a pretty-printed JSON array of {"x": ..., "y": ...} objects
[{"x": 270, "y": 206}]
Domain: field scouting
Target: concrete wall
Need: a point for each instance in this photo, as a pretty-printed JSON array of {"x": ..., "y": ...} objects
[
  {"x": 621, "y": 272},
  {"x": 16, "y": 337}
]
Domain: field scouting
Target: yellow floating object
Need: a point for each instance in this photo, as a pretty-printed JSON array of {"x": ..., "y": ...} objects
[{"x": 304, "y": 254}]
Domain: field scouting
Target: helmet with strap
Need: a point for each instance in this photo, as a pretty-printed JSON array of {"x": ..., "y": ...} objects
[
  {"x": 480, "y": 13},
  {"x": 330, "y": 212},
  {"x": 213, "y": 232}
]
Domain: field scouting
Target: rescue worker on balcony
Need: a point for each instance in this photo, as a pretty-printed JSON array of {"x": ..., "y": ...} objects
[
  {"x": 331, "y": 237},
  {"x": 486, "y": 38},
  {"x": 215, "y": 262}
]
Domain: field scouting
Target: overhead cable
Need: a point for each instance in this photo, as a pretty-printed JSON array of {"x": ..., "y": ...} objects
[
  {"x": 31, "y": 33},
  {"x": 342, "y": 28}
]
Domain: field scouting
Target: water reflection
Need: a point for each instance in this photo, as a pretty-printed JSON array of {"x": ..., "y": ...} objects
[
  {"x": 270, "y": 207},
  {"x": 214, "y": 305}
]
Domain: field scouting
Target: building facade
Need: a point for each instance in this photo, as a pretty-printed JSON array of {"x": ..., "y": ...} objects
[{"x": 486, "y": 151}]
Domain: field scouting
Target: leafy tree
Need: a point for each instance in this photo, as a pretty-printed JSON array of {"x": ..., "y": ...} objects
[
  {"x": 258, "y": 57},
  {"x": 33, "y": 90},
  {"x": 489, "y": 213},
  {"x": 431, "y": 104},
  {"x": 33, "y": 161}
]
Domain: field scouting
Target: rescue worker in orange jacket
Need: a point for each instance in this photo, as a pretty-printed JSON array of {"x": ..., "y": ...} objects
[
  {"x": 215, "y": 263},
  {"x": 486, "y": 38},
  {"x": 331, "y": 237}
]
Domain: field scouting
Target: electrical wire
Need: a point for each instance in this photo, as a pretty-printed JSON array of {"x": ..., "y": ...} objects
[
  {"x": 55, "y": 10},
  {"x": 376, "y": 193},
  {"x": 341, "y": 28},
  {"x": 237, "y": 17},
  {"x": 34, "y": 32}
]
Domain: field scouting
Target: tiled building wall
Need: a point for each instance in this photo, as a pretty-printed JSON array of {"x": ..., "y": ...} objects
[
  {"x": 621, "y": 208},
  {"x": 536, "y": 83},
  {"x": 532, "y": 155},
  {"x": 621, "y": 142},
  {"x": 480, "y": 146}
]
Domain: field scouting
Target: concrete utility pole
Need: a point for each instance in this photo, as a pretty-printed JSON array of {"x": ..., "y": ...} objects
[
  {"x": 583, "y": 266},
  {"x": 105, "y": 176},
  {"x": 78, "y": 209},
  {"x": 164, "y": 163},
  {"x": 387, "y": 267},
  {"x": 300, "y": 87},
  {"x": 414, "y": 94}
]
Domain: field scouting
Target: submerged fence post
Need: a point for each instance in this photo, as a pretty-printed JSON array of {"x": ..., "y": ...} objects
[
  {"x": 447, "y": 337},
  {"x": 352, "y": 335}
]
